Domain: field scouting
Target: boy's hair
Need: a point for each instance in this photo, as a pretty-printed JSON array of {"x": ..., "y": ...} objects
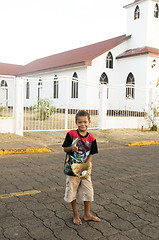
[{"x": 82, "y": 113}]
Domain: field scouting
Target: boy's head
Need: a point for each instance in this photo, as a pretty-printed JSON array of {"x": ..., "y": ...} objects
[
  {"x": 82, "y": 121},
  {"x": 82, "y": 113}
]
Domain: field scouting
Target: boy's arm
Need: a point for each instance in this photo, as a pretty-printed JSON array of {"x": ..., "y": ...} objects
[
  {"x": 72, "y": 148},
  {"x": 89, "y": 158}
]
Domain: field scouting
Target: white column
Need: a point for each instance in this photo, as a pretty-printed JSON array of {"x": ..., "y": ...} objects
[
  {"x": 102, "y": 106},
  {"x": 19, "y": 105}
]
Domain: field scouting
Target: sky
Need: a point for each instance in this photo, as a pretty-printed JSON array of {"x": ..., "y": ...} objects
[{"x": 32, "y": 29}]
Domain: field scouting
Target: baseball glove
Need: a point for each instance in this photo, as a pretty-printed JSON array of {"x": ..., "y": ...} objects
[{"x": 82, "y": 170}]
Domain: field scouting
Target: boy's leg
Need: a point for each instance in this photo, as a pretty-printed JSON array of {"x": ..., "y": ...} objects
[
  {"x": 76, "y": 218},
  {"x": 87, "y": 215}
]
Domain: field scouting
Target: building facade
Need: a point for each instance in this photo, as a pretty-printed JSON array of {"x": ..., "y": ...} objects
[{"x": 128, "y": 65}]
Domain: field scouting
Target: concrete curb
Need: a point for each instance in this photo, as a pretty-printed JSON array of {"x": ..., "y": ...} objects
[
  {"x": 27, "y": 150},
  {"x": 144, "y": 143}
]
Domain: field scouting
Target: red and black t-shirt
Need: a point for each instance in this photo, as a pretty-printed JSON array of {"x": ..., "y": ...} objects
[{"x": 86, "y": 145}]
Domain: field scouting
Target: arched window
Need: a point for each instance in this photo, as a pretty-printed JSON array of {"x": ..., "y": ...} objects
[
  {"x": 156, "y": 11},
  {"x": 4, "y": 87},
  {"x": 109, "y": 60},
  {"x": 104, "y": 80},
  {"x": 27, "y": 90},
  {"x": 40, "y": 83},
  {"x": 137, "y": 12},
  {"x": 55, "y": 87},
  {"x": 4, "y": 84},
  {"x": 130, "y": 86},
  {"x": 74, "y": 91}
]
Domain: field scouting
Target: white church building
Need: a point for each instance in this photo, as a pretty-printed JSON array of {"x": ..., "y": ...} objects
[{"x": 127, "y": 66}]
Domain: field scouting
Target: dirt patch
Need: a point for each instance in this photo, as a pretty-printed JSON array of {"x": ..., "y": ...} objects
[{"x": 111, "y": 136}]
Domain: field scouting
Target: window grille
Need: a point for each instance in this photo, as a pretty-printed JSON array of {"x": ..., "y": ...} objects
[
  {"x": 4, "y": 83},
  {"x": 104, "y": 80},
  {"x": 4, "y": 86},
  {"x": 27, "y": 90},
  {"x": 156, "y": 11},
  {"x": 130, "y": 87},
  {"x": 137, "y": 12},
  {"x": 55, "y": 87},
  {"x": 74, "y": 92},
  {"x": 40, "y": 83},
  {"x": 109, "y": 60}
]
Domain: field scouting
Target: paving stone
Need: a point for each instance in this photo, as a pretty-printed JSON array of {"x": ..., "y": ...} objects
[
  {"x": 151, "y": 231},
  {"x": 22, "y": 214},
  {"x": 135, "y": 234},
  {"x": 121, "y": 224},
  {"x": 16, "y": 233},
  {"x": 118, "y": 237},
  {"x": 44, "y": 213},
  {"x": 7, "y": 222},
  {"x": 41, "y": 233},
  {"x": 67, "y": 233},
  {"x": 54, "y": 223},
  {"x": 89, "y": 233},
  {"x": 32, "y": 223}
]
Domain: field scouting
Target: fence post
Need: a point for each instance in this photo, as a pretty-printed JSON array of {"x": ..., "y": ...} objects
[
  {"x": 66, "y": 103},
  {"x": 102, "y": 105},
  {"x": 18, "y": 107}
]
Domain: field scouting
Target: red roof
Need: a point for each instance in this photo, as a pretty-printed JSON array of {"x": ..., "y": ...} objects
[
  {"x": 72, "y": 58},
  {"x": 139, "y": 51},
  {"x": 10, "y": 69}
]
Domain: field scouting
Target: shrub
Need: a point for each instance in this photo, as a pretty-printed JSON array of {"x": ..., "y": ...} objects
[
  {"x": 153, "y": 115},
  {"x": 44, "y": 109},
  {"x": 154, "y": 127}
]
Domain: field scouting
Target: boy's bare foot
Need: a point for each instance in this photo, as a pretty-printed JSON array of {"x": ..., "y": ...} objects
[
  {"x": 77, "y": 220},
  {"x": 91, "y": 218}
]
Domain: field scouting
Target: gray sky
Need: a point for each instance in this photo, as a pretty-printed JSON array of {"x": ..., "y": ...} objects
[{"x": 31, "y": 29}]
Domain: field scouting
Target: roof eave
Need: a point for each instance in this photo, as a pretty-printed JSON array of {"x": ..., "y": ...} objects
[
  {"x": 133, "y": 3},
  {"x": 138, "y": 54},
  {"x": 108, "y": 49},
  {"x": 84, "y": 63}
]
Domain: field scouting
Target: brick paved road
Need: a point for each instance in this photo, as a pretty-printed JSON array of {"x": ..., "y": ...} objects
[{"x": 126, "y": 182}]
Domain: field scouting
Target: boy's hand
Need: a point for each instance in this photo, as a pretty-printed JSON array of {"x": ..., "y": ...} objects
[{"x": 74, "y": 147}]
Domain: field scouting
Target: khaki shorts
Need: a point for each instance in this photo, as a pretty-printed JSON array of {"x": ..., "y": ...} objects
[{"x": 76, "y": 188}]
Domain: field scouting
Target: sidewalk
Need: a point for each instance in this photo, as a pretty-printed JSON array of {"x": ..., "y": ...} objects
[{"x": 43, "y": 141}]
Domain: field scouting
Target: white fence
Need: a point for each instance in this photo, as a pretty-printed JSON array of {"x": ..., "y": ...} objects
[
  {"x": 35, "y": 119},
  {"x": 50, "y": 104}
]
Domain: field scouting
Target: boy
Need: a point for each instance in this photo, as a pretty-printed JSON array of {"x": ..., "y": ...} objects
[{"x": 79, "y": 145}]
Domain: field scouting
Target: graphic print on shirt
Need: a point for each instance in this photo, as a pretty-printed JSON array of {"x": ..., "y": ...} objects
[{"x": 83, "y": 150}]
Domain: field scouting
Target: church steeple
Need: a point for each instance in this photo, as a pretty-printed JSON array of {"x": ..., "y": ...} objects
[{"x": 143, "y": 23}]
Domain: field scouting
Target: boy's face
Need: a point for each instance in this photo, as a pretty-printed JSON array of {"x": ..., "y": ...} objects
[{"x": 82, "y": 123}]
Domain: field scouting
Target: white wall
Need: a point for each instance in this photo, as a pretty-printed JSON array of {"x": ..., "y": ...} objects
[
  {"x": 138, "y": 27},
  {"x": 138, "y": 67},
  {"x": 7, "y": 125},
  {"x": 117, "y": 76},
  {"x": 47, "y": 87},
  {"x": 125, "y": 122}
]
